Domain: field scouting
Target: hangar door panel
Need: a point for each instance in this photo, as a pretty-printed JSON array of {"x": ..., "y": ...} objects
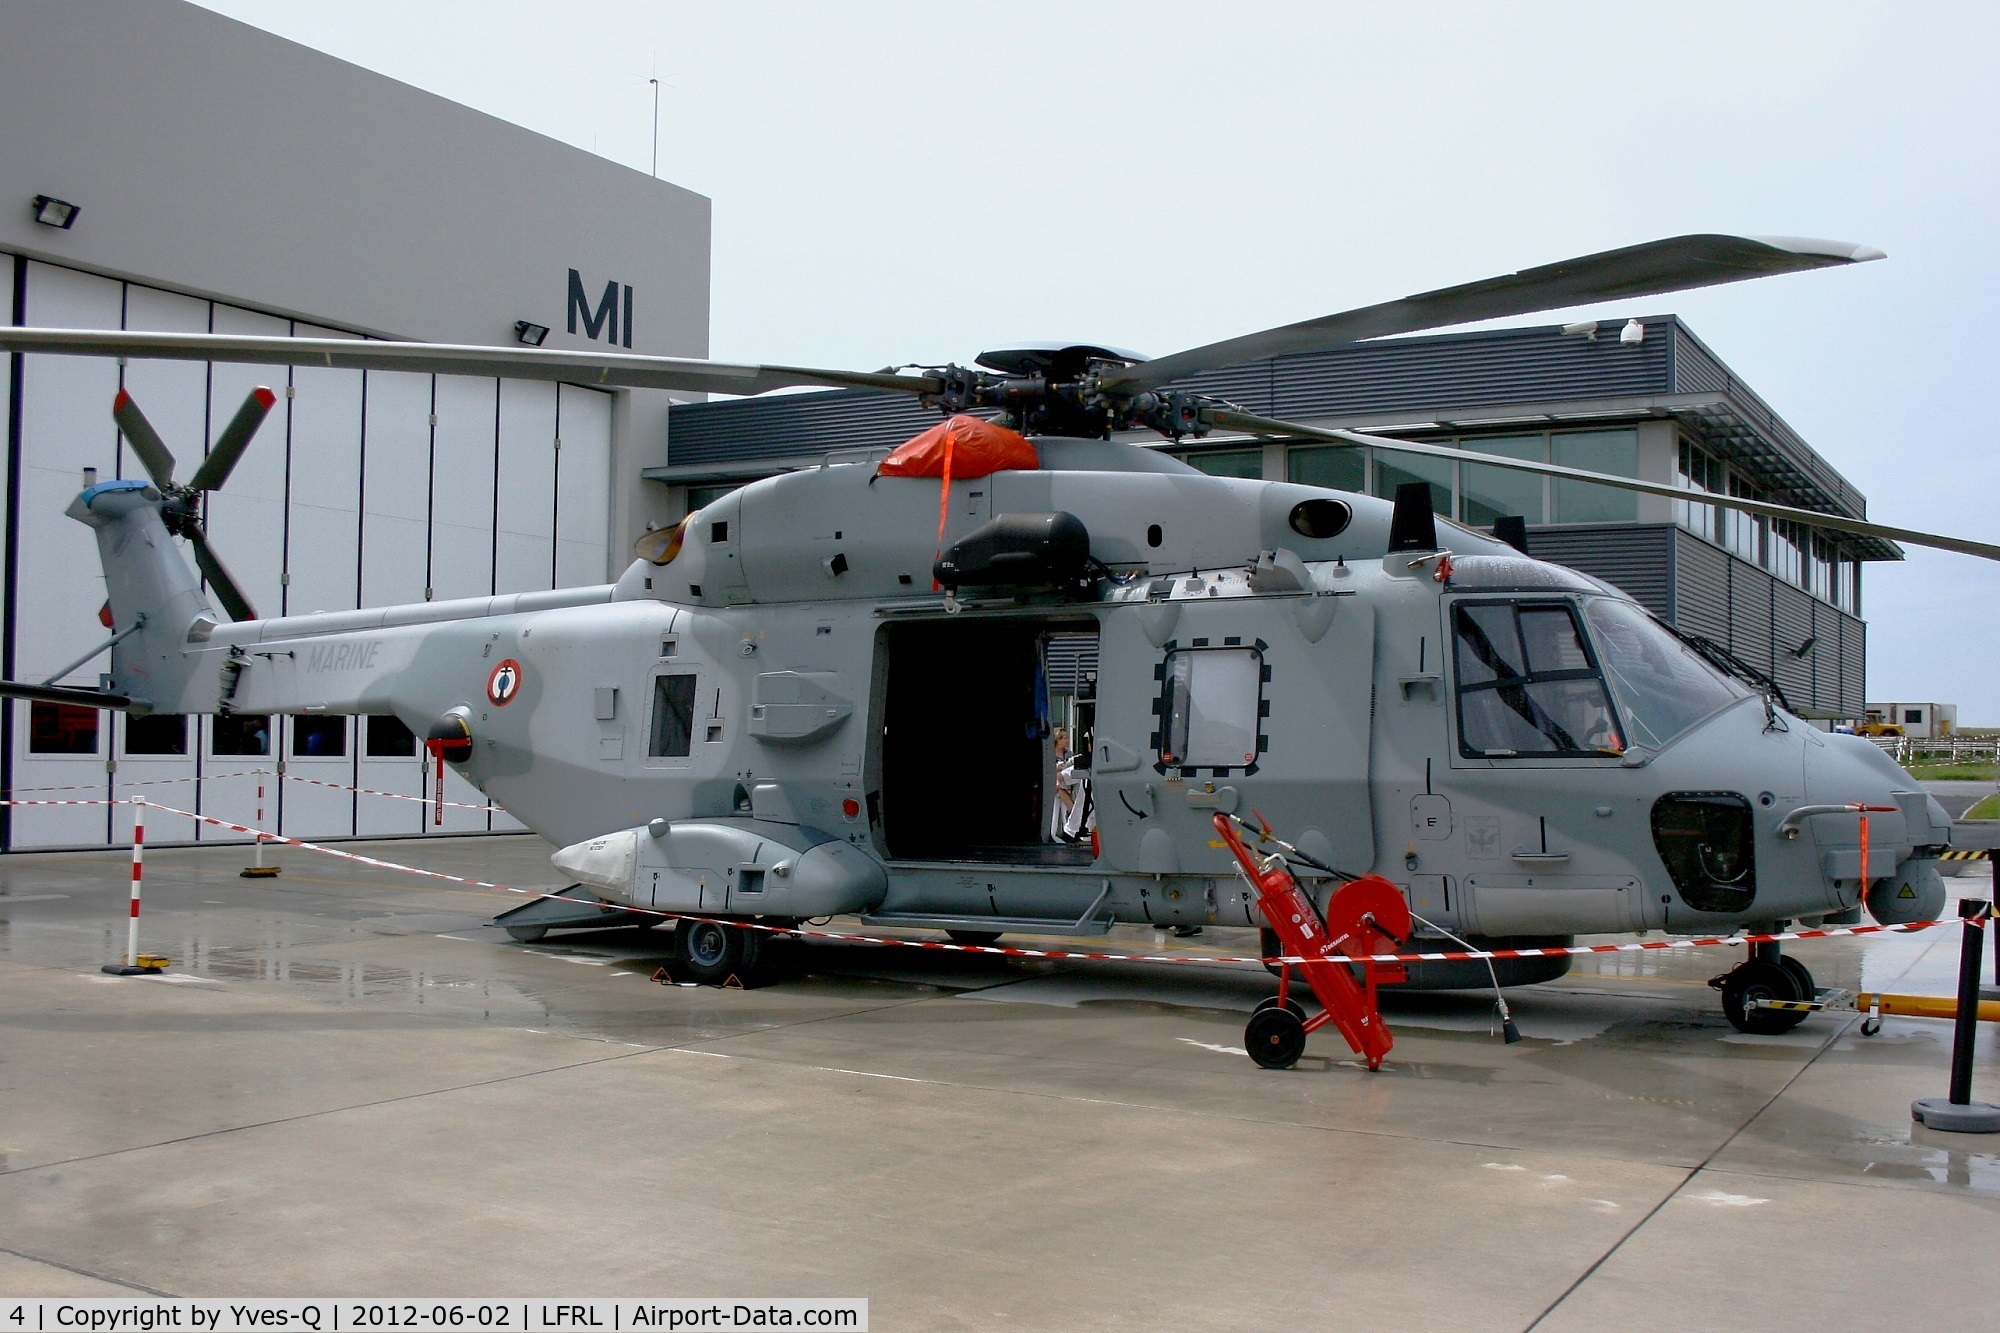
[
  {"x": 525, "y": 484},
  {"x": 323, "y": 510},
  {"x": 65, "y": 426},
  {"x": 583, "y": 487},
  {"x": 1225, "y": 704},
  {"x": 461, "y": 509},
  {"x": 246, "y": 518}
]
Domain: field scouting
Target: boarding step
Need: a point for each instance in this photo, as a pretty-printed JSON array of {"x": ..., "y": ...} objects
[
  {"x": 573, "y": 908},
  {"x": 1089, "y": 923}
]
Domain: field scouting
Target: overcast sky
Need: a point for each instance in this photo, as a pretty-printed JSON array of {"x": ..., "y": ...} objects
[{"x": 915, "y": 182}]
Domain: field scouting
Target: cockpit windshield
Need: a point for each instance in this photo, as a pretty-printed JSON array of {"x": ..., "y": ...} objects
[{"x": 1665, "y": 686}]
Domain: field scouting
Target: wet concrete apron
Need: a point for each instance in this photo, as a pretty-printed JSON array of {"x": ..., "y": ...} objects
[{"x": 346, "y": 1085}]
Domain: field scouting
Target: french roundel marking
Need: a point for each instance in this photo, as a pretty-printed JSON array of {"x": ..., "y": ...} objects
[{"x": 504, "y": 683}]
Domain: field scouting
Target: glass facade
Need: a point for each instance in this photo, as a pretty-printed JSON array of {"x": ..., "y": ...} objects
[
  {"x": 1794, "y": 552},
  {"x": 1476, "y": 493},
  {"x": 1229, "y": 463}
]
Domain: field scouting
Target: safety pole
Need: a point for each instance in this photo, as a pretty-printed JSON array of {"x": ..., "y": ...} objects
[
  {"x": 1965, "y": 1028},
  {"x": 138, "y": 879},
  {"x": 1958, "y": 1112},
  {"x": 132, "y": 967},
  {"x": 257, "y": 869}
]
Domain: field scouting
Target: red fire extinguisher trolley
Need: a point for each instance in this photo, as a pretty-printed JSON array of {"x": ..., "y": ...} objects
[{"x": 1365, "y": 916}]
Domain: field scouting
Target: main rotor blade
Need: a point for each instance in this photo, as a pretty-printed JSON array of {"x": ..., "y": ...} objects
[
  {"x": 1267, "y": 426},
  {"x": 235, "y": 438},
  {"x": 613, "y": 369},
  {"x": 145, "y": 441},
  {"x": 220, "y": 579},
  {"x": 1671, "y": 265}
]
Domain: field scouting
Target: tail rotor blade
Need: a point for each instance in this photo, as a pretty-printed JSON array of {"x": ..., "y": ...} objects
[
  {"x": 145, "y": 441},
  {"x": 235, "y": 438},
  {"x": 220, "y": 579}
]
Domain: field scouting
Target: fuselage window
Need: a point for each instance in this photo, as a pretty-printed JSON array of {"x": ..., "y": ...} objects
[
  {"x": 673, "y": 717},
  {"x": 1210, "y": 708},
  {"x": 1528, "y": 684}
]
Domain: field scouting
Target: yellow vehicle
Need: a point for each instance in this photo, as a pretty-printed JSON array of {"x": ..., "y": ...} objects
[{"x": 1875, "y": 725}]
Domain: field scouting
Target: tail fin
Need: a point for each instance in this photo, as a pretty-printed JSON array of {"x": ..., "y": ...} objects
[{"x": 151, "y": 586}]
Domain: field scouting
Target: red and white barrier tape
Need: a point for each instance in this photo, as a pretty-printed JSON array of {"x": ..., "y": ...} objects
[
  {"x": 392, "y": 795},
  {"x": 1008, "y": 951}
]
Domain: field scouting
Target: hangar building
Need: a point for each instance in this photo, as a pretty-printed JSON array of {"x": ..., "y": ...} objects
[
  {"x": 1650, "y": 401},
  {"x": 178, "y": 170}
]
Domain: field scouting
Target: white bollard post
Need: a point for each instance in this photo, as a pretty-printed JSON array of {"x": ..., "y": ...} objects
[
  {"x": 138, "y": 879},
  {"x": 130, "y": 967},
  {"x": 257, "y": 869}
]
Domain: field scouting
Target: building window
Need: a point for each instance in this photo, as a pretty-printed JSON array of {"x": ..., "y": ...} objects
[
  {"x": 1333, "y": 466},
  {"x": 1912, "y": 716},
  {"x": 388, "y": 738},
  {"x": 61, "y": 728},
  {"x": 1393, "y": 470},
  {"x": 1489, "y": 493},
  {"x": 1743, "y": 533},
  {"x": 1612, "y": 451},
  {"x": 1527, "y": 684},
  {"x": 1229, "y": 463},
  {"x": 156, "y": 733},
  {"x": 673, "y": 717},
  {"x": 319, "y": 736},
  {"x": 239, "y": 734}
]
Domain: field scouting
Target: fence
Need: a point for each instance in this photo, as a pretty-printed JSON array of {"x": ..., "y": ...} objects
[{"x": 1941, "y": 749}]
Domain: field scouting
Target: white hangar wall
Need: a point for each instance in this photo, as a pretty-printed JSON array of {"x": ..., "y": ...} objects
[{"x": 230, "y": 181}]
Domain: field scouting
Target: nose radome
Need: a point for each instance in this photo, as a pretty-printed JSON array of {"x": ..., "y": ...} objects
[{"x": 604, "y": 863}]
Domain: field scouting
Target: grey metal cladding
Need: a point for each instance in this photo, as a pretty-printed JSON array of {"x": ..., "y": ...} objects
[
  {"x": 1792, "y": 624},
  {"x": 1635, "y": 558},
  {"x": 795, "y": 423},
  {"x": 1468, "y": 369},
  {"x": 1853, "y": 665},
  {"x": 1701, "y": 587},
  {"x": 1750, "y": 614}
]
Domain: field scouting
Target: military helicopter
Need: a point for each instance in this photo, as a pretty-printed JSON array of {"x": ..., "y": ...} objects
[{"x": 823, "y": 693}]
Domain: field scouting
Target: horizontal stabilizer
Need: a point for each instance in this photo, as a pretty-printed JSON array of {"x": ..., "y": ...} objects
[{"x": 62, "y": 694}]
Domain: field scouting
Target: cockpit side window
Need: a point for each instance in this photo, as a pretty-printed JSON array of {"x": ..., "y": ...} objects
[
  {"x": 1664, "y": 685},
  {"x": 1528, "y": 684}
]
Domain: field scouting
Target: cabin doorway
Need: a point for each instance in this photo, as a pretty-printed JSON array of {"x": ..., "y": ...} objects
[{"x": 967, "y": 741}]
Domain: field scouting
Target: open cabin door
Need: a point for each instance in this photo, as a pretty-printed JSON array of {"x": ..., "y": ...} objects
[{"x": 1234, "y": 704}]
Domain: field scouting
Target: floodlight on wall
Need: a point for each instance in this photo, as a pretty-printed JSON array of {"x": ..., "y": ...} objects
[
  {"x": 529, "y": 333},
  {"x": 1804, "y": 650},
  {"x": 1633, "y": 333},
  {"x": 1585, "y": 329},
  {"x": 51, "y": 212}
]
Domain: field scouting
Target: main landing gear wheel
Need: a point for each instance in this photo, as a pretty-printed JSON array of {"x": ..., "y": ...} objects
[
  {"x": 1275, "y": 1037},
  {"x": 975, "y": 938},
  {"x": 528, "y": 934},
  {"x": 713, "y": 951},
  {"x": 1759, "y": 980}
]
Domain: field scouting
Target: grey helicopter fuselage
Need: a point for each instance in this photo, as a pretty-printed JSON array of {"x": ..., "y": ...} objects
[{"x": 786, "y": 720}]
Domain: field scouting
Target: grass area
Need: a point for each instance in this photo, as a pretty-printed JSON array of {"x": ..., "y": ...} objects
[
  {"x": 1986, "y": 809},
  {"x": 1954, "y": 772}
]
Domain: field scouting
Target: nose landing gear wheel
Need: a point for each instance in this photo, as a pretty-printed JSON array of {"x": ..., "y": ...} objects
[
  {"x": 1275, "y": 1037},
  {"x": 1759, "y": 980},
  {"x": 712, "y": 952}
]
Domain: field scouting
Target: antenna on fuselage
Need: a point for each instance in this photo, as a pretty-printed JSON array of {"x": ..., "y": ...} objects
[{"x": 1413, "y": 525}]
